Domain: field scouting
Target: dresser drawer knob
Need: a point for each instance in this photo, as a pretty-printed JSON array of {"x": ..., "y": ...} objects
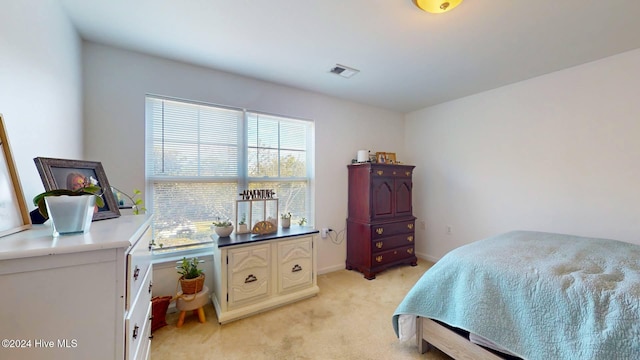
[
  {"x": 409, "y": 226},
  {"x": 379, "y": 231},
  {"x": 136, "y": 272},
  {"x": 296, "y": 268},
  {"x": 379, "y": 244},
  {"x": 379, "y": 258},
  {"x": 407, "y": 173},
  {"x": 394, "y": 173},
  {"x": 410, "y": 251},
  {"x": 135, "y": 331},
  {"x": 251, "y": 278},
  {"x": 380, "y": 172},
  {"x": 410, "y": 238}
]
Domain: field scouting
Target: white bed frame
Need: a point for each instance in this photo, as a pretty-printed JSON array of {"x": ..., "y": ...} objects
[{"x": 429, "y": 333}]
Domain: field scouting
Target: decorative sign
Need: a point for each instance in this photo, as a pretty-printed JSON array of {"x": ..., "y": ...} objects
[{"x": 258, "y": 194}]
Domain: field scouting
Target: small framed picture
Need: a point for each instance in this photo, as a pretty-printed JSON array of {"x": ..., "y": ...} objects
[
  {"x": 75, "y": 174},
  {"x": 381, "y": 158},
  {"x": 14, "y": 215},
  {"x": 390, "y": 158}
]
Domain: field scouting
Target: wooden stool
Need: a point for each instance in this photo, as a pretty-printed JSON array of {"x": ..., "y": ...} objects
[{"x": 193, "y": 302}]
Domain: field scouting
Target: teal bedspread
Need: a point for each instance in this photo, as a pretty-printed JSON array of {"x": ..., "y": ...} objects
[{"x": 538, "y": 295}]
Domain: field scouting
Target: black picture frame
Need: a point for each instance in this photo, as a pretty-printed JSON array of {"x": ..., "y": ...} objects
[{"x": 56, "y": 173}]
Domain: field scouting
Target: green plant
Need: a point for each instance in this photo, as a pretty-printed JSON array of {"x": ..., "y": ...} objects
[
  {"x": 302, "y": 221},
  {"x": 136, "y": 202},
  {"x": 243, "y": 220},
  {"x": 285, "y": 216},
  {"x": 222, "y": 223},
  {"x": 91, "y": 189},
  {"x": 188, "y": 268}
]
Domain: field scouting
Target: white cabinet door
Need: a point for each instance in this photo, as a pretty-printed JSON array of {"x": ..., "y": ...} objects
[
  {"x": 295, "y": 264},
  {"x": 249, "y": 270}
]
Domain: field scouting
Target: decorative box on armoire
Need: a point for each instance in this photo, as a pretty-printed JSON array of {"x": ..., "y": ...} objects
[{"x": 380, "y": 226}]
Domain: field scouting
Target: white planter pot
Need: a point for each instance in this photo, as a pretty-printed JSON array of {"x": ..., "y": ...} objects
[
  {"x": 70, "y": 214},
  {"x": 286, "y": 223},
  {"x": 224, "y": 231}
]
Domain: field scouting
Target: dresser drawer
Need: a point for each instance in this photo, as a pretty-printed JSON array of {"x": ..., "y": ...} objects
[
  {"x": 389, "y": 229},
  {"x": 295, "y": 264},
  {"x": 138, "y": 264},
  {"x": 384, "y": 244},
  {"x": 138, "y": 331},
  {"x": 390, "y": 256},
  {"x": 249, "y": 272}
]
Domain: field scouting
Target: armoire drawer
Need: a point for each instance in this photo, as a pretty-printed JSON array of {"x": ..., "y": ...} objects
[
  {"x": 390, "y": 256},
  {"x": 389, "y": 229},
  {"x": 384, "y": 244}
]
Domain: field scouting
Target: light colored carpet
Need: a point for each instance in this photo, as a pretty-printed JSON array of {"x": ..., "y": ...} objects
[{"x": 349, "y": 319}]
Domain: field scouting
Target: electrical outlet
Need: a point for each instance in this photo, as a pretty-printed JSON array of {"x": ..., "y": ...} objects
[{"x": 324, "y": 232}]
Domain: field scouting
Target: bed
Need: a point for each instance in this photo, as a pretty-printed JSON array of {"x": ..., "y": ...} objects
[{"x": 528, "y": 295}]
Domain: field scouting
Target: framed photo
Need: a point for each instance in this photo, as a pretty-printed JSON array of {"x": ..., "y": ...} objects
[
  {"x": 74, "y": 174},
  {"x": 390, "y": 158},
  {"x": 14, "y": 215},
  {"x": 381, "y": 158}
]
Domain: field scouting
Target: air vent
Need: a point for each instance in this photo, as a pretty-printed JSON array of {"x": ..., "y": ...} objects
[{"x": 344, "y": 71}]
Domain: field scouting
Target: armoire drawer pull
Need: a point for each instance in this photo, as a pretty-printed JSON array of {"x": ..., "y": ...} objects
[
  {"x": 410, "y": 238},
  {"x": 251, "y": 278},
  {"x": 296, "y": 268},
  {"x": 410, "y": 226},
  {"x": 379, "y": 258},
  {"x": 410, "y": 251},
  {"x": 136, "y": 273},
  {"x": 379, "y": 231},
  {"x": 135, "y": 331},
  {"x": 379, "y": 244},
  {"x": 150, "y": 286}
]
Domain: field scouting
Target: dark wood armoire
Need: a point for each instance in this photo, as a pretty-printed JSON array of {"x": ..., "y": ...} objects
[{"x": 380, "y": 223}]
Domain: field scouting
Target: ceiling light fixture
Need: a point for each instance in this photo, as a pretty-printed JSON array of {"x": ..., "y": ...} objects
[{"x": 437, "y": 6}]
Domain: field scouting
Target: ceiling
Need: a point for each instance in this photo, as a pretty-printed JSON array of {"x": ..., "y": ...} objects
[{"x": 408, "y": 59}]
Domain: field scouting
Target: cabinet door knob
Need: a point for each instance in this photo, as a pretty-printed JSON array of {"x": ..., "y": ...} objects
[
  {"x": 380, "y": 231},
  {"x": 251, "y": 278},
  {"x": 296, "y": 268},
  {"x": 410, "y": 226},
  {"x": 379, "y": 244}
]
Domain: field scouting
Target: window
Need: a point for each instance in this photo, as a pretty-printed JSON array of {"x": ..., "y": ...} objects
[{"x": 201, "y": 156}]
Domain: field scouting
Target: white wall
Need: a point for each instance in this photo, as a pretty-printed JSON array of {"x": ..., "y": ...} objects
[
  {"x": 116, "y": 81},
  {"x": 558, "y": 153},
  {"x": 40, "y": 86}
]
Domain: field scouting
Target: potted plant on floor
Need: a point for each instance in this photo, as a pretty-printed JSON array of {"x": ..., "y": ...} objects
[
  {"x": 71, "y": 211},
  {"x": 192, "y": 279},
  {"x": 223, "y": 228}
]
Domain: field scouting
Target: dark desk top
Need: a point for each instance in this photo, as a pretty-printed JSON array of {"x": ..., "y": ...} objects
[{"x": 239, "y": 239}]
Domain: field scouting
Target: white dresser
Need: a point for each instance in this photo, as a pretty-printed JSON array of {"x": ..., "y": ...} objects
[
  {"x": 256, "y": 273},
  {"x": 83, "y": 296}
]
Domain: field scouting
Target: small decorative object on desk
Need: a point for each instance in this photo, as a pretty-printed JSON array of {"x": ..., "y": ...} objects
[
  {"x": 223, "y": 228},
  {"x": 264, "y": 227},
  {"x": 135, "y": 201},
  {"x": 302, "y": 221},
  {"x": 286, "y": 220},
  {"x": 71, "y": 211},
  {"x": 243, "y": 228},
  {"x": 192, "y": 278}
]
